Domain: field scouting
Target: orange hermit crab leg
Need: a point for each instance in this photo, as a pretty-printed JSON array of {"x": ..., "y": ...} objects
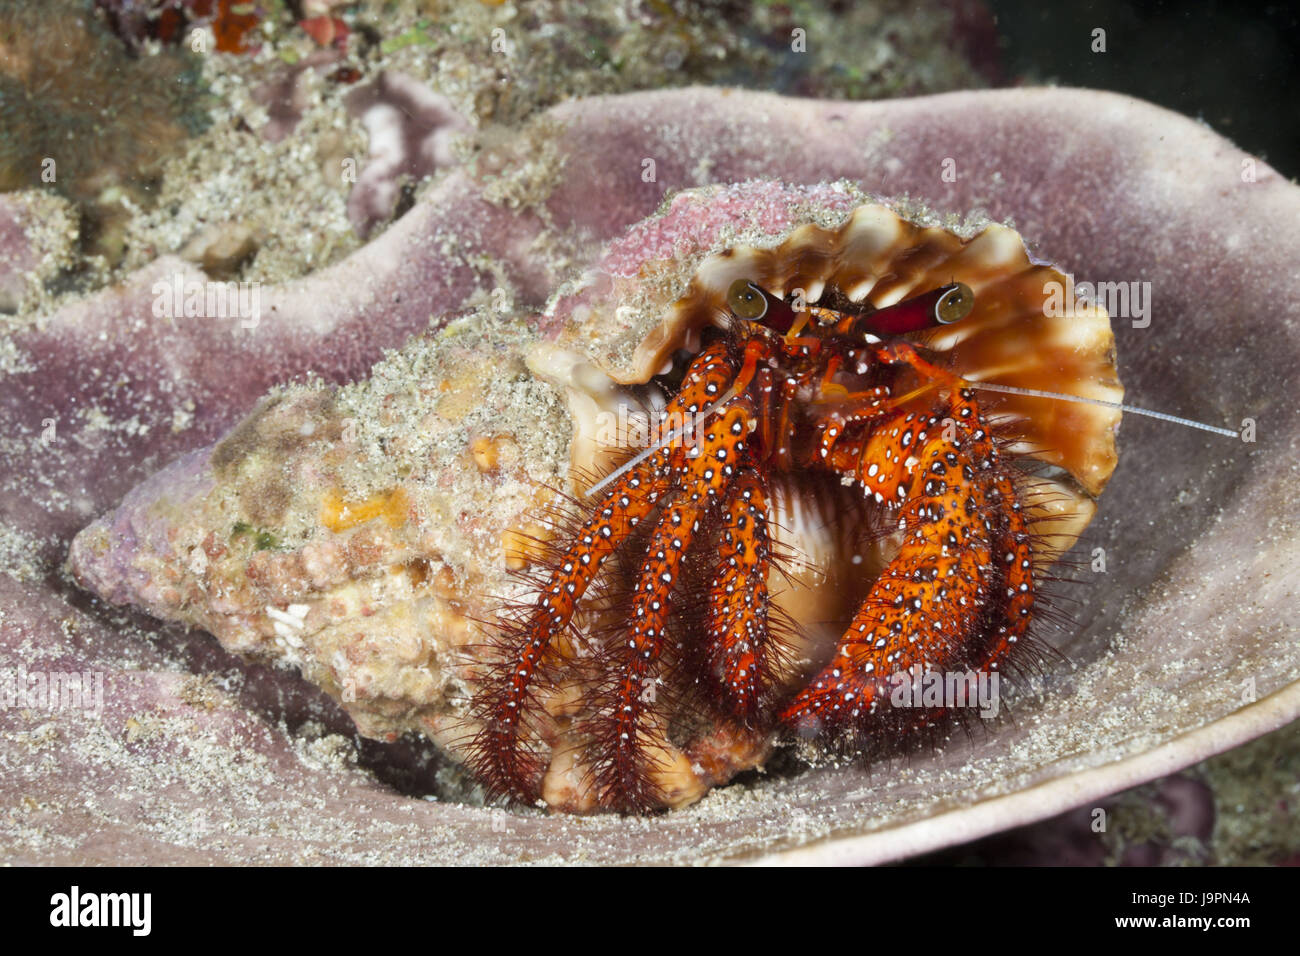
[
  {"x": 1013, "y": 552},
  {"x": 738, "y": 638},
  {"x": 935, "y": 596},
  {"x": 498, "y": 755},
  {"x": 621, "y": 770},
  {"x": 876, "y": 451},
  {"x": 924, "y": 604}
]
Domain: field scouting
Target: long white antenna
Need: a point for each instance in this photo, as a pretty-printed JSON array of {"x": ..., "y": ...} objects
[
  {"x": 672, "y": 436},
  {"x": 667, "y": 439},
  {"x": 1132, "y": 409},
  {"x": 631, "y": 463}
]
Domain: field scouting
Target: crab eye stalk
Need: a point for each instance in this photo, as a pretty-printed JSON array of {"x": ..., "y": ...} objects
[
  {"x": 750, "y": 302},
  {"x": 746, "y": 300},
  {"x": 942, "y": 306}
]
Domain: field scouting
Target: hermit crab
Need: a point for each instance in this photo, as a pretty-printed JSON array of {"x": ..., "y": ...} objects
[
  {"x": 879, "y": 380},
  {"x": 779, "y": 451}
]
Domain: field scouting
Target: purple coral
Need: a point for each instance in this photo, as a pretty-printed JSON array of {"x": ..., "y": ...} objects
[
  {"x": 1198, "y": 611},
  {"x": 411, "y": 131}
]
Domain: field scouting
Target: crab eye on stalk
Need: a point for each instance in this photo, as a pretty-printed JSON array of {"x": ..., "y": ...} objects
[
  {"x": 750, "y": 302},
  {"x": 955, "y": 302},
  {"x": 942, "y": 306},
  {"x": 746, "y": 300}
]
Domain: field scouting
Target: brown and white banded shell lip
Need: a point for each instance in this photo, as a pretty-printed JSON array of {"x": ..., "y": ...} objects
[{"x": 876, "y": 256}]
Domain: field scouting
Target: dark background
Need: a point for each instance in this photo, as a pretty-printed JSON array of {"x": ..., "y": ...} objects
[{"x": 1231, "y": 65}]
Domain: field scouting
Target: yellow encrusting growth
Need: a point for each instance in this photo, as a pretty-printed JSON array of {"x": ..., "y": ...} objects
[{"x": 339, "y": 515}]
